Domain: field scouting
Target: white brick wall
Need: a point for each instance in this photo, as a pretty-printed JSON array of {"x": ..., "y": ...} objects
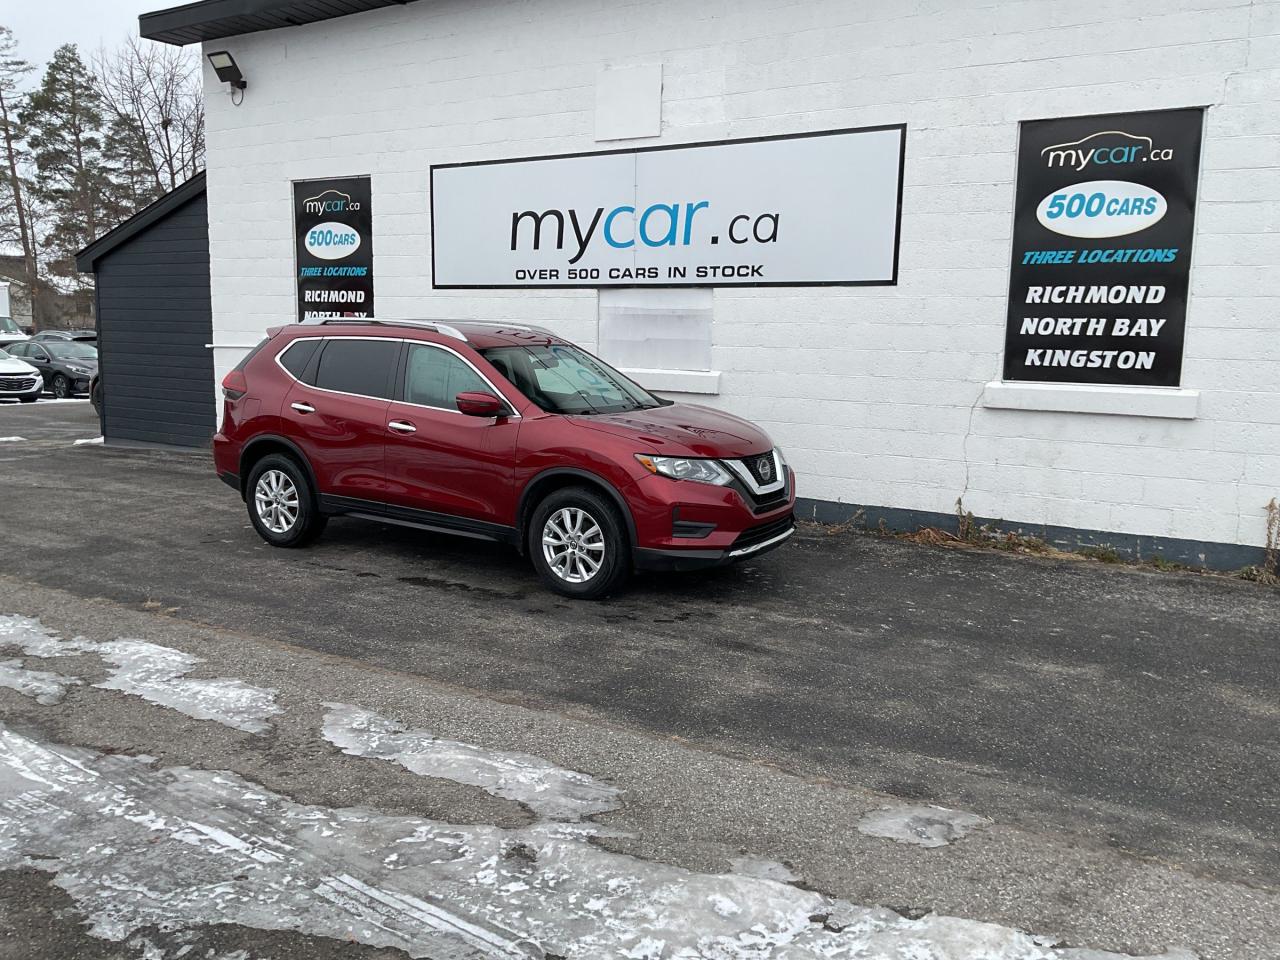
[{"x": 874, "y": 392}]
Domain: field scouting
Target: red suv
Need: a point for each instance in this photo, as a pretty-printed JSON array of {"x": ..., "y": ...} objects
[{"x": 498, "y": 431}]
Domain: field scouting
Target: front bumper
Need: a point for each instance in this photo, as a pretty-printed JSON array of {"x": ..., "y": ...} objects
[
  {"x": 649, "y": 558},
  {"x": 683, "y": 525}
]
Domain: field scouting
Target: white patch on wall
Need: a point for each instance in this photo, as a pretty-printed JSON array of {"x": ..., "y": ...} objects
[
  {"x": 656, "y": 329},
  {"x": 629, "y": 102},
  {"x": 924, "y": 826},
  {"x": 176, "y": 848},
  {"x": 156, "y": 674},
  {"x": 551, "y": 792}
]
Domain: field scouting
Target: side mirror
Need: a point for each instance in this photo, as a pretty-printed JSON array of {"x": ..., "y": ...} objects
[{"x": 479, "y": 404}]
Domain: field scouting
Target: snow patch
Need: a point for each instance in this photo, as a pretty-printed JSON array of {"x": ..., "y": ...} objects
[
  {"x": 762, "y": 869},
  {"x": 551, "y": 792},
  {"x": 180, "y": 848},
  {"x": 924, "y": 826},
  {"x": 156, "y": 674},
  {"x": 46, "y": 688},
  {"x": 13, "y": 439},
  {"x": 81, "y": 443}
]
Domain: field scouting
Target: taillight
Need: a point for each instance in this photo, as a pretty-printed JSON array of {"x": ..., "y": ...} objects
[{"x": 234, "y": 385}]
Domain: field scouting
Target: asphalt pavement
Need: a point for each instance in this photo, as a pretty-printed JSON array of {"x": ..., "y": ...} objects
[{"x": 1116, "y": 725}]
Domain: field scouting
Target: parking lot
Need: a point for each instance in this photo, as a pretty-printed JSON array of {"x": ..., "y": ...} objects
[{"x": 1114, "y": 728}]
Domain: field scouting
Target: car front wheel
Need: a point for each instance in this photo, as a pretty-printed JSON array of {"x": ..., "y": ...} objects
[
  {"x": 282, "y": 507},
  {"x": 61, "y": 387},
  {"x": 578, "y": 544}
]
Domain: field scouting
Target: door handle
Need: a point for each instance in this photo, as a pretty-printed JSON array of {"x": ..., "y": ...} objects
[
  {"x": 402, "y": 426},
  {"x": 303, "y": 407}
]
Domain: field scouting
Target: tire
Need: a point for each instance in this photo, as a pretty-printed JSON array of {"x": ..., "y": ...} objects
[
  {"x": 282, "y": 505},
  {"x": 592, "y": 532},
  {"x": 61, "y": 387}
]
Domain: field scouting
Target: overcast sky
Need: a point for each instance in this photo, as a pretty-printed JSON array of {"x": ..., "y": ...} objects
[{"x": 42, "y": 26}]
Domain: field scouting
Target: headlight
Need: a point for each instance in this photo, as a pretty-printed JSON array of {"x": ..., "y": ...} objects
[
  {"x": 80, "y": 371},
  {"x": 686, "y": 468}
]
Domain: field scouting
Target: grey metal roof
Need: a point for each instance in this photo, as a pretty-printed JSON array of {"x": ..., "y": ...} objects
[
  {"x": 214, "y": 19},
  {"x": 139, "y": 222}
]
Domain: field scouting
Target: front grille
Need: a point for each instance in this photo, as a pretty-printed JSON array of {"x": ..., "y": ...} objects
[
  {"x": 763, "y": 468},
  {"x": 23, "y": 382},
  {"x": 766, "y": 531}
]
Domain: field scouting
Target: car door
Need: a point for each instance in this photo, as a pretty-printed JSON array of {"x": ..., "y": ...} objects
[
  {"x": 39, "y": 358},
  {"x": 337, "y": 414},
  {"x": 439, "y": 459}
]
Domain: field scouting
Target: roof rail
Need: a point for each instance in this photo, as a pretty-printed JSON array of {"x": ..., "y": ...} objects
[
  {"x": 508, "y": 325},
  {"x": 437, "y": 326}
]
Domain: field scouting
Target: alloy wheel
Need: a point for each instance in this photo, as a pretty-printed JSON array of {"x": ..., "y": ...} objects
[
  {"x": 276, "y": 499},
  {"x": 573, "y": 544}
]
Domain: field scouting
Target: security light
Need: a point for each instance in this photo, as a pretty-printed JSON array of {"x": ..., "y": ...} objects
[{"x": 224, "y": 65}]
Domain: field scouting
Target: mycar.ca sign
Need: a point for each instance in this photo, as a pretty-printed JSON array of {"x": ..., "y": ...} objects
[
  {"x": 333, "y": 224},
  {"x": 1103, "y": 223},
  {"x": 792, "y": 210}
]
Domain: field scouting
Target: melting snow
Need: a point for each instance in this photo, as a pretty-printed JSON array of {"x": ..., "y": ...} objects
[
  {"x": 923, "y": 826},
  {"x": 81, "y": 443},
  {"x": 764, "y": 869},
  {"x": 135, "y": 845},
  {"x": 549, "y": 791},
  {"x": 13, "y": 439},
  {"x": 156, "y": 674},
  {"x": 47, "y": 688}
]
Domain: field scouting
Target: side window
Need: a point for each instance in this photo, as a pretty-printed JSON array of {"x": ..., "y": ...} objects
[
  {"x": 297, "y": 355},
  {"x": 35, "y": 353},
  {"x": 435, "y": 377},
  {"x": 362, "y": 367},
  {"x": 16, "y": 350}
]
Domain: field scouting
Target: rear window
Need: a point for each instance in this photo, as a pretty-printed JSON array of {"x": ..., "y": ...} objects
[
  {"x": 297, "y": 355},
  {"x": 362, "y": 367}
]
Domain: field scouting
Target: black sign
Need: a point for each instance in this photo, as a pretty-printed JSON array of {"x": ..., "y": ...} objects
[
  {"x": 1102, "y": 229},
  {"x": 334, "y": 240}
]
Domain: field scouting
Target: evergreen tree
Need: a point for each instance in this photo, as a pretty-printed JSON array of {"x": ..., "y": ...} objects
[{"x": 65, "y": 131}]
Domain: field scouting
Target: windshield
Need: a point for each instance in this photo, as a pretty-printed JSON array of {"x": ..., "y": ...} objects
[
  {"x": 71, "y": 350},
  {"x": 563, "y": 379},
  {"x": 8, "y": 326}
]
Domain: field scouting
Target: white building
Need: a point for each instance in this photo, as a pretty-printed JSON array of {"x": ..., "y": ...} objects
[{"x": 885, "y": 397}]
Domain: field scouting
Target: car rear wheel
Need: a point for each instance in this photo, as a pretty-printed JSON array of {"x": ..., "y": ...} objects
[
  {"x": 61, "y": 387},
  {"x": 282, "y": 506},
  {"x": 578, "y": 544}
]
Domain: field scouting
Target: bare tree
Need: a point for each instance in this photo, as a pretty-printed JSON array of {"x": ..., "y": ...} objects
[{"x": 153, "y": 99}]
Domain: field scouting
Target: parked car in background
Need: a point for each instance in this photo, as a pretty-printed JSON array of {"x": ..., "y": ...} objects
[
  {"x": 498, "y": 431},
  {"x": 19, "y": 380},
  {"x": 66, "y": 365},
  {"x": 85, "y": 336},
  {"x": 95, "y": 396},
  {"x": 10, "y": 332}
]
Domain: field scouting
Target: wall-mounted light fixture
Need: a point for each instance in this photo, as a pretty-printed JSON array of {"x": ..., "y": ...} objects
[{"x": 224, "y": 65}]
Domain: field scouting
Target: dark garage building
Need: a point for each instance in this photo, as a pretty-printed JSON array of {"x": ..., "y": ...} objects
[{"x": 155, "y": 321}]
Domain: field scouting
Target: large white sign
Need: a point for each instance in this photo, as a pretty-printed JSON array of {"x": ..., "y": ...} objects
[{"x": 781, "y": 211}]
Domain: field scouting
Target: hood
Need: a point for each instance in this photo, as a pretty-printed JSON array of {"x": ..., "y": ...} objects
[
  {"x": 683, "y": 429},
  {"x": 75, "y": 362},
  {"x": 13, "y": 365}
]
